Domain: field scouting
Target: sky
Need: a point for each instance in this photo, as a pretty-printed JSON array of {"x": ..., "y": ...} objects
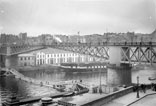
[{"x": 71, "y": 16}]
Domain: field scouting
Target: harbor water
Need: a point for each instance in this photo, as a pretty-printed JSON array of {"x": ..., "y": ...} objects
[{"x": 11, "y": 86}]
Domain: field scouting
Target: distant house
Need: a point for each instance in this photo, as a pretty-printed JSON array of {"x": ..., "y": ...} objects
[{"x": 26, "y": 60}]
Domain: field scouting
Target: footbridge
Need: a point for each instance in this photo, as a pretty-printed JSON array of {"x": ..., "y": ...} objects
[
  {"x": 127, "y": 51},
  {"x": 112, "y": 51}
]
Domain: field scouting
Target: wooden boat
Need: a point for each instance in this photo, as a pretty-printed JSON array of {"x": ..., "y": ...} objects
[
  {"x": 8, "y": 74},
  {"x": 85, "y": 90},
  {"x": 60, "y": 87},
  {"x": 151, "y": 78},
  {"x": 68, "y": 94},
  {"x": 2, "y": 72},
  {"x": 11, "y": 101},
  {"x": 46, "y": 100}
]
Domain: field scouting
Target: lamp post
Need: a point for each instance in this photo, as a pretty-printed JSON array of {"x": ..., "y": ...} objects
[
  {"x": 137, "y": 86},
  {"x": 100, "y": 89},
  {"x": 105, "y": 67}
]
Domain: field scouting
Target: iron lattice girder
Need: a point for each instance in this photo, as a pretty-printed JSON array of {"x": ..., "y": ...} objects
[
  {"x": 18, "y": 49},
  {"x": 3, "y": 50},
  {"x": 24, "y": 48},
  {"x": 124, "y": 51},
  {"x": 153, "y": 55},
  {"x": 96, "y": 51},
  {"x": 139, "y": 54},
  {"x": 134, "y": 53},
  {"x": 144, "y": 54}
]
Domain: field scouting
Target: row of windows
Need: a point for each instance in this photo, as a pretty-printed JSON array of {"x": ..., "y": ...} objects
[
  {"x": 25, "y": 58},
  {"x": 55, "y": 55},
  {"x": 62, "y": 60}
]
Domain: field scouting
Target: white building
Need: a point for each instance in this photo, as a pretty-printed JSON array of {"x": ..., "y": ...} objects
[
  {"x": 52, "y": 56},
  {"x": 55, "y": 56}
]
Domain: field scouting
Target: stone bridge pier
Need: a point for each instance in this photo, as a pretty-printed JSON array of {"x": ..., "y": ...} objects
[
  {"x": 118, "y": 73},
  {"x": 2, "y": 61},
  {"x": 7, "y": 59},
  {"x": 11, "y": 61}
]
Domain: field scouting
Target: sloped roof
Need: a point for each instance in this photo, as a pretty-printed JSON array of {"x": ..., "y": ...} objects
[
  {"x": 26, "y": 55},
  {"x": 51, "y": 50}
]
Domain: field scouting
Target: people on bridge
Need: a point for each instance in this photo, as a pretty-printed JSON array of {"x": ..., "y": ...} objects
[{"x": 125, "y": 43}]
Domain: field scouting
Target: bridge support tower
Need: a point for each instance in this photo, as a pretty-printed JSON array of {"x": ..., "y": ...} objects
[
  {"x": 2, "y": 61},
  {"x": 117, "y": 73},
  {"x": 10, "y": 60}
]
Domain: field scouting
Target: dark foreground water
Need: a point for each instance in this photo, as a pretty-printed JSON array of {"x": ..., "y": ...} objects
[{"x": 10, "y": 86}]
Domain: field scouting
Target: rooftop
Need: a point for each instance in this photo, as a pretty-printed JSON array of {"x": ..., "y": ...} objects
[
  {"x": 52, "y": 50},
  {"x": 47, "y": 51},
  {"x": 25, "y": 55}
]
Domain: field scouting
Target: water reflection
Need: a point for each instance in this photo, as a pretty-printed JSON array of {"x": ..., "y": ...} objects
[
  {"x": 89, "y": 77},
  {"x": 143, "y": 75}
]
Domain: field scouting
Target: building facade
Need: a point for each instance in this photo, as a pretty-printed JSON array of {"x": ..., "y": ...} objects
[
  {"x": 52, "y": 56},
  {"x": 55, "y": 56},
  {"x": 26, "y": 60}
]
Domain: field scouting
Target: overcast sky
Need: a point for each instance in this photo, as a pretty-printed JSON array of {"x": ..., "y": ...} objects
[{"x": 70, "y": 16}]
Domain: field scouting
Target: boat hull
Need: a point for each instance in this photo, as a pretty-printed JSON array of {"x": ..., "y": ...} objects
[{"x": 81, "y": 69}]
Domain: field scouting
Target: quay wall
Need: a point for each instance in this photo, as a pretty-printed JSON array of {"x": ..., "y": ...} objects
[{"x": 110, "y": 97}]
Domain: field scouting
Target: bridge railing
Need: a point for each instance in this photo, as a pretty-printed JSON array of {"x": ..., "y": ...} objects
[
  {"x": 83, "y": 44},
  {"x": 106, "y": 44},
  {"x": 20, "y": 48}
]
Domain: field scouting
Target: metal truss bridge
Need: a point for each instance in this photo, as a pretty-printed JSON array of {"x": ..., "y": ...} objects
[{"x": 130, "y": 51}]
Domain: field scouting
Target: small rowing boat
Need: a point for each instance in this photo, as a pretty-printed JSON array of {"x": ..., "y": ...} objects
[{"x": 151, "y": 78}]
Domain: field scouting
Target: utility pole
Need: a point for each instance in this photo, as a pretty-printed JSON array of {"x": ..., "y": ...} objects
[
  {"x": 137, "y": 86},
  {"x": 100, "y": 89}
]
